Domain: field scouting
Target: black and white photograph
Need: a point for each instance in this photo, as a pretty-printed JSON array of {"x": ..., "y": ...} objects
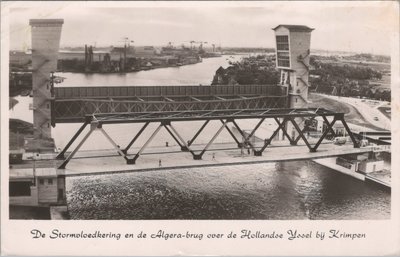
[{"x": 199, "y": 111}]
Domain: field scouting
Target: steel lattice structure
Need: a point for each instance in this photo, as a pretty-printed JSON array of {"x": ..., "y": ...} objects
[
  {"x": 166, "y": 120},
  {"x": 72, "y": 104},
  {"x": 75, "y": 110}
]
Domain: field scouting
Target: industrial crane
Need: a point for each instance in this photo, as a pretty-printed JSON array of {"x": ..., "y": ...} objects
[
  {"x": 201, "y": 43},
  {"x": 126, "y": 41},
  {"x": 126, "y": 44},
  {"x": 191, "y": 43},
  {"x": 197, "y": 42}
]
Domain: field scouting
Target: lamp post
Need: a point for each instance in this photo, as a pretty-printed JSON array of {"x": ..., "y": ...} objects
[{"x": 34, "y": 169}]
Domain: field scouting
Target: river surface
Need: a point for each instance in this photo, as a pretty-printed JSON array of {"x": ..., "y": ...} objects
[
  {"x": 193, "y": 74},
  {"x": 274, "y": 191}
]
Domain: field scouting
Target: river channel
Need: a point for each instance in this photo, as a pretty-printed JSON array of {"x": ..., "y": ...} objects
[{"x": 274, "y": 191}]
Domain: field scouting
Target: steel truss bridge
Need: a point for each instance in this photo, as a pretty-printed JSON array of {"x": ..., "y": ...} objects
[
  {"x": 71, "y": 104},
  {"x": 167, "y": 119}
]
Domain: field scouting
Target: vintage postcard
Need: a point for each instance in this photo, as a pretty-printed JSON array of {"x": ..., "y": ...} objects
[{"x": 200, "y": 128}]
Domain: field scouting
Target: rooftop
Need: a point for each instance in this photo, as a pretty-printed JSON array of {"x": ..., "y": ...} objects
[
  {"x": 46, "y": 22},
  {"x": 296, "y": 28}
]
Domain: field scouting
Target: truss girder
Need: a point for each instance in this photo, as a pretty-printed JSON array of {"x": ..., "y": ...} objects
[
  {"x": 210, "y": 115},
  {"x": 73, "y": 110},
  {"x": 288, "y": 115}
]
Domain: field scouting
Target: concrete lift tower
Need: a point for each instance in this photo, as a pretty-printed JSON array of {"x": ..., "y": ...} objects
[
  {"x": 46, "y": 35},
  {"x": 292, "y": 59}
]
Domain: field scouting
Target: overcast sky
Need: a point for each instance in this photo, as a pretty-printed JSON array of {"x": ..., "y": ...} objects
[{"x": 360, "y": 27}]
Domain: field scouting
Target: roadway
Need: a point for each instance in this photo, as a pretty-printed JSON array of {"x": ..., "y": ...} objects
[
  {"x": 89, "y": 162},
  {"x": 369, "y": 112}
]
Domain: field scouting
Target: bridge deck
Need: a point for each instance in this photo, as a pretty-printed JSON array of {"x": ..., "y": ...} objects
[{"x": 108, "y": 162}]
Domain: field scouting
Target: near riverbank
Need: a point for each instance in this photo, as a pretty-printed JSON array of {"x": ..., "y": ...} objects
[{"x": 352, "y": 114}]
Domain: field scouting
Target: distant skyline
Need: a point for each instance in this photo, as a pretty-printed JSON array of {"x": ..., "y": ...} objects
[{"x": 339, "y": 26}]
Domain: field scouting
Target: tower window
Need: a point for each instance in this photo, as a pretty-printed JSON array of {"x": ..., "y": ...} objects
[
  {"x": 282, "y": 43},
  {"x": 283, "y": 59},
  {"x": 282, "y": 49}
]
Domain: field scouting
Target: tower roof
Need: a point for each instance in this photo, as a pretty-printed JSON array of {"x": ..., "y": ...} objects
[
  {"x": 44, "y": 22},
  {"x": 295, "y": 28}
]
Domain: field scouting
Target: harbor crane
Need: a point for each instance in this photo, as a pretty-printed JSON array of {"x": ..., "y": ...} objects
[
  {"x": 201, "y": 44},
  {"x": 197, "y": 42},
  {"x": 126, "y": 42},
  {"x": 192, "y": 42}
]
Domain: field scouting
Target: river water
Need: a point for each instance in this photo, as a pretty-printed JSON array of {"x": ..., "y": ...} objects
[
  {"x": 194, "y": 74},
  {"x": 274, "y": 191}
]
